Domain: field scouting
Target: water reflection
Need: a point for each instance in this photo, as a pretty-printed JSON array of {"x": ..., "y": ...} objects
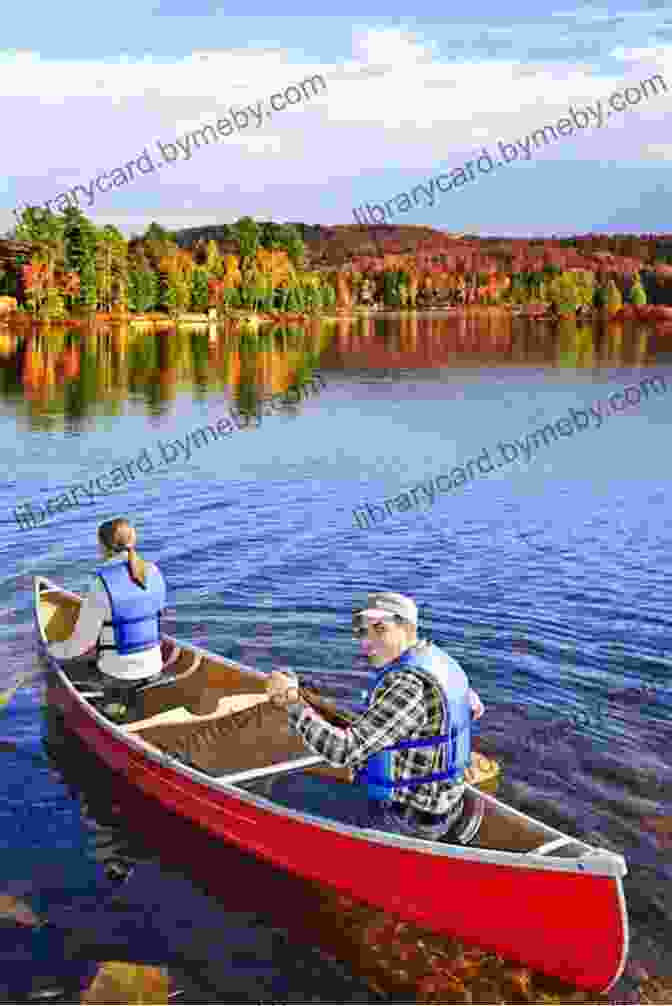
[
  {"x": 57, "y": 374},
  {"x": 485, "y": 337}
]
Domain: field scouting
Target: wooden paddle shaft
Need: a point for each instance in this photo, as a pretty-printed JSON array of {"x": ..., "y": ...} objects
[{"x": 337, "y": 717}]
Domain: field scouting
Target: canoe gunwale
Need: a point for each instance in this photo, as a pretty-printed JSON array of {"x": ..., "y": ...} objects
[{"x": 598, "y": 862}]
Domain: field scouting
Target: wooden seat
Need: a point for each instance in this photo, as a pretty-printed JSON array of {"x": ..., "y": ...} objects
[
  {"x": 240, "y": 740},
  {"x": 189, "y": 690},
  {"x": 59, "y": 616},
  {"x": 225, "y": 707}
]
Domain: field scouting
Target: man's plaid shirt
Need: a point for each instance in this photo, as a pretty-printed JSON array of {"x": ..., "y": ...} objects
[{"x": 403, "y": 707}]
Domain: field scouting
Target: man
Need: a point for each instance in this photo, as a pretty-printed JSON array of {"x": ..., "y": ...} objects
[{"x": 412, "y": 745}]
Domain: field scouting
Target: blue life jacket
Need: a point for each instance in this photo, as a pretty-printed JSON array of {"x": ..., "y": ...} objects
[
  {"x": 439, "y": 669},
  {"x": 135, "y": 612}
]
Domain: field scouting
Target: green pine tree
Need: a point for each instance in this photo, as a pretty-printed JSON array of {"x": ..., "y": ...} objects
[
  {"x": 88, "y": 290},
  {"x": 200, "y": 295},
  {"x": 246, "y": 231},
  {"x": 600, "y": 297},
  {"x": 389, "y": 288},
  {"x": 80, "y": 242},
  {"x": 133, "y": 291},
  {"x": 294, "y": 245},
  {"x": 168, "y": 293}
]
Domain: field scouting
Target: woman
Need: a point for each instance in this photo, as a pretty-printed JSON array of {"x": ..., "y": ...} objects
[{"x": 118, "y": 624}]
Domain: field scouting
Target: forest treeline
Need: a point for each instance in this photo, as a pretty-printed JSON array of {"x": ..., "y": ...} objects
[{"x": 76, "y": 269}]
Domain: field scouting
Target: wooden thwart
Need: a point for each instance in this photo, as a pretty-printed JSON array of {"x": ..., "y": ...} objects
[
  {"x": 259, "y": 773},
  {"x": 556, "y": 843}
]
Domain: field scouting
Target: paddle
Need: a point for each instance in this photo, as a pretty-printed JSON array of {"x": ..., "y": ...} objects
[
  {"x": 335, "y": 716},
  {"x": 482, "y": 770},
  {"x": 7, "y": 696}
]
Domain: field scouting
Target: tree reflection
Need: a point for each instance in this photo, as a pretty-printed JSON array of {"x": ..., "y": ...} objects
[{"x": 59, "y": 376}]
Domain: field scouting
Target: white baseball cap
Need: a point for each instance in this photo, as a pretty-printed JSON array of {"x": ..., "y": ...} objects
[{"x": 384, "y": 605}]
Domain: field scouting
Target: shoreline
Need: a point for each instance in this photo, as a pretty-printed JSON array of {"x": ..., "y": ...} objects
[{"x": 648, "y": 312}]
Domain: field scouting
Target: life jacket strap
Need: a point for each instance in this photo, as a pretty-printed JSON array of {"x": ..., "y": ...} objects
[
  {"x": 428, "y": 742},
  {"x": 121, "y": 621},
  {"x": 381, "y": 780}
]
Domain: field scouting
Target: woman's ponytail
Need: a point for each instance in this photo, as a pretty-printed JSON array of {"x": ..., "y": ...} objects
[
  {"x": 114, "y": 535},
  {"x": 138, "y": 568}
]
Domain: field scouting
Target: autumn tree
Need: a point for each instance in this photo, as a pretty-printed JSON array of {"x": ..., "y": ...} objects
[
  {"x": 45, "y": 229},
  {"x": 614, "y": 298},
  {"x": 584, "y": 286},
  {"x": 413, "y": 287},
  {"x": 54, "y": 305},
  {"x": 637, "y": 293},
  {"x": 213, "y": 261},
  {"x": 343, "y": 294},
  {"x": 69, "y": 288},
  {"x": 276, "y": 267},
  {"x": 157, "y": 245},
  {"x": 563, "y": 292},
  {"x": 181, "y": 266},
  {"x": 35, "y": 283}
]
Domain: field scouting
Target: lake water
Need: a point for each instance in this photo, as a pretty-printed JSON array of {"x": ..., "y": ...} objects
[{"x": 546, "y": 576}]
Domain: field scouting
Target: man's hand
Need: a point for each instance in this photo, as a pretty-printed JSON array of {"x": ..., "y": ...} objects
[
  {"x": 481, "y": 770},
  {"x": 282, "y": 689}
]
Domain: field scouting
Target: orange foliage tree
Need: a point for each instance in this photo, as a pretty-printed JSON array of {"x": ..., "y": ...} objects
[{"x": 343, "y": 289}]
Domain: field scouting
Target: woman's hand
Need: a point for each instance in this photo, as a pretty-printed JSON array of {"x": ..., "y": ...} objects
[{"x": 282, "y": 689}]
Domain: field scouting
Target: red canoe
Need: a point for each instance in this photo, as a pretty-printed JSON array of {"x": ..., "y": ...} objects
[{"x": 524, "y": 890}]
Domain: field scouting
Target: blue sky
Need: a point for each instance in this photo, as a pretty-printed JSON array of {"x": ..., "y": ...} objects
[{"x": 87, "y": 89}]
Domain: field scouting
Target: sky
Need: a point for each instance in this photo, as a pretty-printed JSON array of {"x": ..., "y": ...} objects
[{"x": 407, "y": 98}]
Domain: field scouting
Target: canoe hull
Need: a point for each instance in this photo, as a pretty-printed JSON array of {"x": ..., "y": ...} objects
[
  {"x": 570, "y": 923},
  {"x": 543, "y": 904}
]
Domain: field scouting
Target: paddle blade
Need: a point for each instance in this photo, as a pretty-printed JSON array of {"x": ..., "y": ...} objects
[{"x": 8, "y": 695}]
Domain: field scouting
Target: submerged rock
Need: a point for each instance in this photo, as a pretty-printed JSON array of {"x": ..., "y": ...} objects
[{"x": 14, "y": 910}]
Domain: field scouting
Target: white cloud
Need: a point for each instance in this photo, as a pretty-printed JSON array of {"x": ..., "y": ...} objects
[
  {"x": 391, "y": 45},
  {"x": 396, "y": 104},
  {"x": 655, "y": 53},
  {"x": 658, "y": 151}
]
